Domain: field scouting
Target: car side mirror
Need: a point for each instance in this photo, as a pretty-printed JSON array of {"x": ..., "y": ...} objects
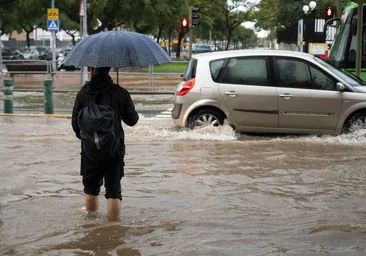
[{"x": 341, "y": 87}]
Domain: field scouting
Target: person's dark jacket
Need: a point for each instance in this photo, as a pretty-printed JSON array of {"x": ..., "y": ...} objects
[{"x": 113, "y": 95}]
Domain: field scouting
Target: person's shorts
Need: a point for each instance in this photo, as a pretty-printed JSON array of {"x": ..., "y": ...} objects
[{"x": 95, "y": 172}]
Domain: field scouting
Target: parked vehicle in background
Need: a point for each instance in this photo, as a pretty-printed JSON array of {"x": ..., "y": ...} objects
[
  {"x": 45, "y": 52},
  {"x": 28, "y": 53},
  {"x": 8, "y": 53},
  {"x": 57, "y": 52},
  {"x": 201, "y": 48},
  {"x": 61, "y": 58},
  {"x": 214, "y": 48},
  {"x": 269, "y": 91}
]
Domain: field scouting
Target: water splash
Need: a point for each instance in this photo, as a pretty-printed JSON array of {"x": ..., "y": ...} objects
[{"x": 148, "y": 132}]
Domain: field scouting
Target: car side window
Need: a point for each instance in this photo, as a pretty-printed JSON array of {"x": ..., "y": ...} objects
[
  {"x": 321, "y": 81},
  {"x": 293, "y": 73},
  {"x": 216, "y": 67},
  {"x": 248, "y": 71}
]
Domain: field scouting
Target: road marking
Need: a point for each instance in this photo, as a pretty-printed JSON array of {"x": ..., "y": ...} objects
[{"x": 166, "y": 114}]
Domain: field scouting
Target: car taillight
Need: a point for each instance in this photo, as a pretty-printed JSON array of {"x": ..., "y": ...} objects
[{"x": 186, "y": 87}]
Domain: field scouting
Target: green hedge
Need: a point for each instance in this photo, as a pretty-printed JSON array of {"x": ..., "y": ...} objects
[{"x": 178, "y": 67}]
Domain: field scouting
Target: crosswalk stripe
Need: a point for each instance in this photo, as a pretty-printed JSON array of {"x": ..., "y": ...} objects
[{"x": 164, "y": 115}]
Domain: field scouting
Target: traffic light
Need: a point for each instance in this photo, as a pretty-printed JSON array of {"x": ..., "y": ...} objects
[
  {"x": 184, "y": 24},
  {"x": 194, "y": 15},
  {"x": 329, "y": 13}
]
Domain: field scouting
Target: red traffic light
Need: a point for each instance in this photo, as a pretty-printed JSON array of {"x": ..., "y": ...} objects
[
  {"x": 184, "y": 23},
  {"x": 329, "y": 12}
]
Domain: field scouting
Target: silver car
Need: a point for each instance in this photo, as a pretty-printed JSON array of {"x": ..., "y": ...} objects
[
  {"x": 28, "y": 53},
  {"x": 269, "y": 91}
]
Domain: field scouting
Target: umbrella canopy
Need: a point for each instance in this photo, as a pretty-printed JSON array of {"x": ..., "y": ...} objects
[{"x": 116, "y": 49}]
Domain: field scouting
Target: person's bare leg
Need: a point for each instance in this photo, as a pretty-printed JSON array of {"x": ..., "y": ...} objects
[
  {"x": 113, "y": 209},
  {"x": 91, "y": 203}
]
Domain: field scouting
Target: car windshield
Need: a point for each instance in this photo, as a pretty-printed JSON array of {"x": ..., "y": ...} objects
[
  {"x": 25, "y": 50},
  {"x": 351, "y": 79},
  {"x": 200, "y": 46},
  {"x": 41, "y": 49},
  {"x": 66, "y": 52}
]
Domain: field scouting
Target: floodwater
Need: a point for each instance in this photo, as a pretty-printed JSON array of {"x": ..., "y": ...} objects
[{"x": 203, "y": 192}]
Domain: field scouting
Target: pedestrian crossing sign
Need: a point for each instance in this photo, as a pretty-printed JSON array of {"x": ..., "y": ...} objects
[{"x": 52, "y": 25}]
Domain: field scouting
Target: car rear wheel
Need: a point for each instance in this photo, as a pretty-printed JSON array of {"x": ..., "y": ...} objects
[
  {"x": 355, "y": 122},
  {"x": 206, "y": 117}
]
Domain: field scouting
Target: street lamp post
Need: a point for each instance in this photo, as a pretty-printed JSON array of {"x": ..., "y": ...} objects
[{"x": 307, "y": 22}]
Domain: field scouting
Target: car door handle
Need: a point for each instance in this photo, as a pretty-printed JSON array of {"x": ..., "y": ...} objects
[
  {"x": 231, "y": 93},
  {"x": 286, "y": 96}
]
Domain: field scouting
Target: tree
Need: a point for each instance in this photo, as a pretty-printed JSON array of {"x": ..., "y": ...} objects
[
  {"x": 234, "y": 13},
  {"x": 29, "y": 16},
  {"x": 275, "y": 14},
  {"x": 246, "y": 37},
  {"x": 70, "y": 27},
  {"x": 266, "y": 16},
  {"x": 6, "y": 18}
]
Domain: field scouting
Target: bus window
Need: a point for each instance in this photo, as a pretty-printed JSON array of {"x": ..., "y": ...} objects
[
  {"x": 343, "y": 51},
  {"x": 364, "y": 40},
  {"x": 339, "y": 47}
]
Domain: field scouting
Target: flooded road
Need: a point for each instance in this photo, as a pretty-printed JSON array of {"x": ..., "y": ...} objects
[{"x": 204, "y": 192}]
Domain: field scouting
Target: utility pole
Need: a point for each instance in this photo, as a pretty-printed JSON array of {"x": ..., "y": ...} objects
[
  {"x": 53, "y": 42},
  {"x": 190, "y": 31},
  {"x": 85, "y": 34},
  {"x": 84, "y": 30},
  {"x": 339, "y": 8}
]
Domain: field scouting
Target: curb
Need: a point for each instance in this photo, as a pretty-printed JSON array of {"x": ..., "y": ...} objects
[{"x": 37, "y": 115}]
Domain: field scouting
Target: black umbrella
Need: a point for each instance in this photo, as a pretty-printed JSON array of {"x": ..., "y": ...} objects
[{"x": 117, "y": 49}]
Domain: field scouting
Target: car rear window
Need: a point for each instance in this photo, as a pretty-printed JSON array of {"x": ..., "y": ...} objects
[{"x": 190, "y": 70}]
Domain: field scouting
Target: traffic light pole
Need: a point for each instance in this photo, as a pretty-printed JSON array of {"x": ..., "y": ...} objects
[{"x": 190, "y": 31}]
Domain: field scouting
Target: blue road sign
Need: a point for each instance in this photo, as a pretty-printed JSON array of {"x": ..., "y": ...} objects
[{"x": 52, "y": 25}]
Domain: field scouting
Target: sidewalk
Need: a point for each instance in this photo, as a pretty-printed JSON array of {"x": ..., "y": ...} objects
[{"x": 71, "y": 81}]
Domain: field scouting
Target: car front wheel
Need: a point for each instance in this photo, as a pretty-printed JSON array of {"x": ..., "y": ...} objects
[
  {"x": 206, "y": 117},
  {"x": 355, "y": 122}
]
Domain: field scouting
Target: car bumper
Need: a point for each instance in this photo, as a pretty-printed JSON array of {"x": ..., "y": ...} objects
[
  {"x": 177, "y": 114},
  {"x": 177, "y": 109}
]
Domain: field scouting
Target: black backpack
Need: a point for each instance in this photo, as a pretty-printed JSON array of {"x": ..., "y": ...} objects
[{"x": 97, "y": 130}]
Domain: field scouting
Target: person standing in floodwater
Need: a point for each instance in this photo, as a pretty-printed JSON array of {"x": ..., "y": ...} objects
[{"x": 111, "y": 171}]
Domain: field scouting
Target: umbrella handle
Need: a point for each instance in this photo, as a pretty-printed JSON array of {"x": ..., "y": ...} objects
[{"x": 117, "y": 77}]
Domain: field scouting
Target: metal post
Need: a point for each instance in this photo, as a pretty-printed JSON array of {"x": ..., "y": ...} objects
[
  {"x": 81, "y": 33},
  {"x": 48, "y": 102},
  {"x": 8, "y": 96},
  {"x": 149, "y": 81},
  {"x": 53, "y": 43},
  {"x": 339, "y": 8},
  {"x": 359, "y": 38},
  {"x": 152, "y": 75},
  {"x": 85, "y": 34},
  {"x": 190, "y": 31}
]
